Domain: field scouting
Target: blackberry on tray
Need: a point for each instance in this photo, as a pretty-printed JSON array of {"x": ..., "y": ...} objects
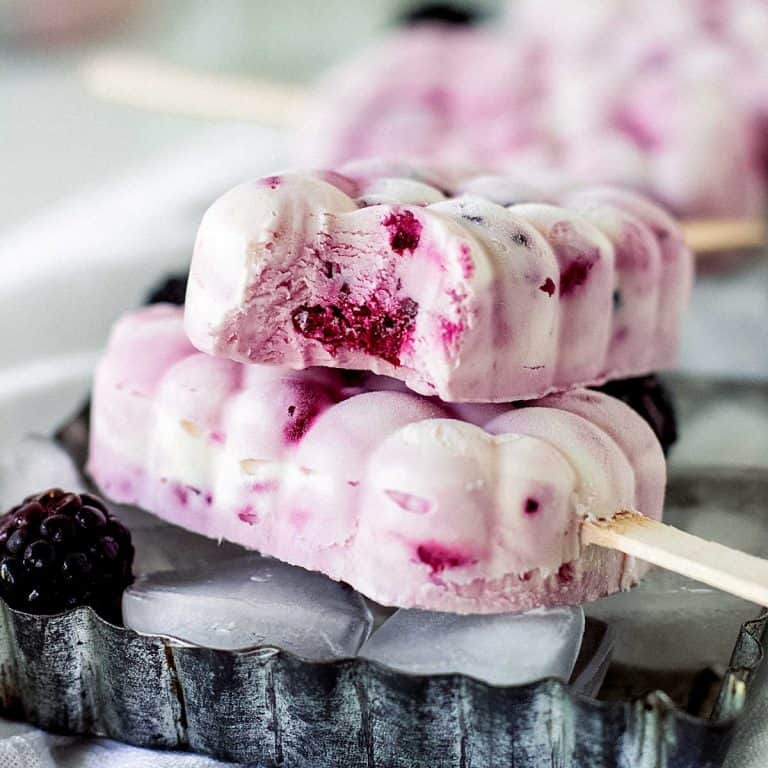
[
  {"x": 61, "y": 550},
  {"x": 648, "y": 396}
]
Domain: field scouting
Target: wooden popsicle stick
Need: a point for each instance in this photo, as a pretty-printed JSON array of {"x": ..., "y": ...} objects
[
  {"x": 140, "y": 81},
  {"x": 709, "y": 236},
  {"x": 721, "y": 567}
]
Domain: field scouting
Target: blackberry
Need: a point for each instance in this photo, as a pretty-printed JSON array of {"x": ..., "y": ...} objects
[
  {"x": 650, "y": 398},
  {"x": 442, "y": 13},
  {"x": 61, "y": 550},
  {"x": 172, "y": 290}
]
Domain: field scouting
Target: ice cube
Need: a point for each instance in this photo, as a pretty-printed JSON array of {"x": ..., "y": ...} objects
[
  {"x": 35, "y": 464},
  {"x": 251, "y": 601},
  {"x": 501, "y": 649},
  {"x": 594, "y": 657}
]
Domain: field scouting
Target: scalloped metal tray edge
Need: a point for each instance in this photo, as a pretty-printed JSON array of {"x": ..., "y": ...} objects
[{"x": 76, "y": 673}]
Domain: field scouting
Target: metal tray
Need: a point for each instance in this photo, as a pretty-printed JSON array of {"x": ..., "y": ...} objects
[{"x": 77, "y": 674}]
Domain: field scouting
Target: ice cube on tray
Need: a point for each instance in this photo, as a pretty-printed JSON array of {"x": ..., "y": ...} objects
[
  {"x": 500, "y": 649},
  {"x": 594, "y": 658},
  {"x": 251, "y": 601}
]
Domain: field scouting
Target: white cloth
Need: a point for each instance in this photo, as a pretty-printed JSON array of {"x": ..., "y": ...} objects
[
  {"x": 30, "y": 748},
  {"x": 148, "y": 221}
]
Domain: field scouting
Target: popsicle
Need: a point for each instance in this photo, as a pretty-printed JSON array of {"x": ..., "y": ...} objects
[
  {"x": 441, "y": 279},
  {"x": 467, "y": 508}
]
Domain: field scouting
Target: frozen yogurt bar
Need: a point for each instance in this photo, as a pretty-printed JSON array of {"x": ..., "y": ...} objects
[
  {"x": 467, "y": 508},
  {"x": 448, "y": 282}
]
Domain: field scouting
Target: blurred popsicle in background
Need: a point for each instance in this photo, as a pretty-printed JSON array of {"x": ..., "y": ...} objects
[
  {"x": 42, "y": 22},
  {"x": 148, "y": 83}
]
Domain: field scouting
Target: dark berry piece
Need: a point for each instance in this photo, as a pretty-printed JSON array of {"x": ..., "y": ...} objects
[
  {"x": 107, "y": 548},
  {"x": 172, "y": 290},
  {"x": 62, "y": 550},
  {"x": 75, "y": 567},
  {"x": 66, "y": 503},
  {"x": 47, "y": 498},
  {"x": 93, "y": 501},
  {"x": 90, "y": 518},
  {"x": 117, "y": 531},
  {"x": 39, "y": 556},
  {"x": 58, "y": 528},
  {"x": 17, "y": 541},
  {"x": 29, "y": 514},
  {"x": 443, "y": 13}
]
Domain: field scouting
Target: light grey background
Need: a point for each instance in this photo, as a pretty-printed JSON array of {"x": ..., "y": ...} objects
[{"x": 55, "y": 139}]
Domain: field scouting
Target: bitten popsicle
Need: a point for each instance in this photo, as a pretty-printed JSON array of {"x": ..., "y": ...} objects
[{"x": 444, "y": 280}]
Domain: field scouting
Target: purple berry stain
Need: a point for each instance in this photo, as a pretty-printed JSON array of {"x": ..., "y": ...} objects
[
  {"x": 248, "y": 515},
  {"x": 273, "y": 182},
  {"x": 760, "y": 142},
  {"x": 574, "y": 275},
  {"x": 181, "y": 494},
  {"x": 531, "y": 506},
  {"x": 466, "y": 262},
  {"x": 305, "y": 404},
  {"x": 632, "y": 251},
  {"x": 404, "y": 231},
  {"x": 267, "y": 486},
  {"x": 440, "y": 558},
  {"x": 575, "y": 255},
  {"x": 565, "y": 573},
  {"x": 548, "y": 286},
  {"x": 450, "y": 332},
  {"x": 375, "y": 327}
]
